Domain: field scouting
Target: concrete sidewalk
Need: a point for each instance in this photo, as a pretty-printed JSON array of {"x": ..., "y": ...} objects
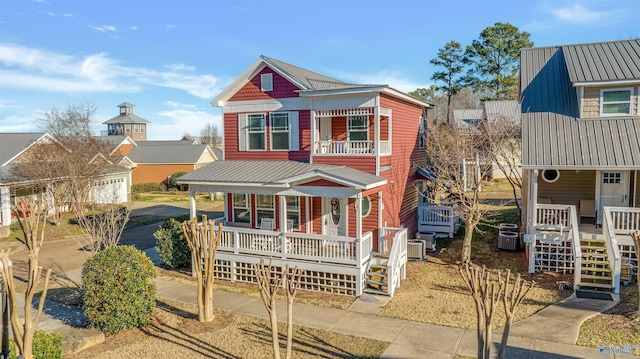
[{"x": 410, "y": 339}]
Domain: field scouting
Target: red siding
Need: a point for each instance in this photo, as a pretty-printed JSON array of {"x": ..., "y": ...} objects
[
  {"x": 231, "y": 151},
  {"x": 362, "y": 163},
  {"x": 316, "y": 215},
  {"x": 339, "y": 128},
  {"x": 400, "y": 194},
  {"x": 322, "y": 182},
  {"x": 251, "y": 91}
]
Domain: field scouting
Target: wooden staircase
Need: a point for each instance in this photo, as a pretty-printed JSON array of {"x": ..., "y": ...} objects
[
  {"x": 596, "y": 279},
  {"x": 377, "y": 282}
]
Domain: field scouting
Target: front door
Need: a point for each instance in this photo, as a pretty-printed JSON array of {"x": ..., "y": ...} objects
[
  {"x": 334, "y": 222},
  {"x": 614, "y": 190}
]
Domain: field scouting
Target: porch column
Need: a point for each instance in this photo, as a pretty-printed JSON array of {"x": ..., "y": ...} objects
[
  {"x": 314, "y": 134},
  {"x": 192, "y": 203},
  {"x": 533, "y": 200},
  {"x": 282, "y": 203},
  {"x": 5, "y": 207},
  {"x": 376, "y": 137},
  {"x": 358, "y": 206}
]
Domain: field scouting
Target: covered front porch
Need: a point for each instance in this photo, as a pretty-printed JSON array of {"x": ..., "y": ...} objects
[{"x": 323, "y": 219}]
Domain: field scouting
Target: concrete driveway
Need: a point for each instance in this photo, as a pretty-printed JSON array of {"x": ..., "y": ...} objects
[{"x": 142, "y": 236}]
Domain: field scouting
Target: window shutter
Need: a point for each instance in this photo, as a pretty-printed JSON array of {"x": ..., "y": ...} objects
[
  {"x": 242, "y": 132},
  {"x": 294, "y": 137}
]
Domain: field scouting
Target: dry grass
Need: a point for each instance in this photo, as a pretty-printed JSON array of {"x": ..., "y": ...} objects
[{"x": 176, "y": 333}]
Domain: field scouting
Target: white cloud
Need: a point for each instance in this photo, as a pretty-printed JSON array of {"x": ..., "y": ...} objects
[
  {"x": 105, "y": 28},
  {"x": 51, "y": 14},
  {"x": 110, "y": 28},
  {"x": 30, "y": 68},
  {"x": 578, "y": 14},
  {"x": 133, "y": 28},
  {"x": 17, "y": 124},
  {"x": 182, "y": 118},
  {"x": 393, "y": 79},
  {"x": 68, "y": 15}
]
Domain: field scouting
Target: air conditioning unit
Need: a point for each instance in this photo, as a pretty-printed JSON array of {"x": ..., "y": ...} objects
[
  {"x": 508, "y": 241},
  {"x": 416, "y": 250}
]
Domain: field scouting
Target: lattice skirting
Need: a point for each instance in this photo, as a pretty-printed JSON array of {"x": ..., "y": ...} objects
[
  {"x": 328, "y": 279},
  {"x": 554, "y": 257}
]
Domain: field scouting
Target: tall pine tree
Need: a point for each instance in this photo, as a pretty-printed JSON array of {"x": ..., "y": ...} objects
[{"x": 451, "y": 58}]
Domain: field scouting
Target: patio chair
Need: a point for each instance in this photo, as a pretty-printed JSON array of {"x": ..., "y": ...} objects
[
  {"x": 267, "y": 224},
  {"x": 588, "y": 209}
]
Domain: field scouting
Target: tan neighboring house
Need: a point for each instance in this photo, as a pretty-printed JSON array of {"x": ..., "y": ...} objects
[
  {"x": 581, "y": 158},
  {"x": 15, "y": 147},
  {"x": 127, "y": 124}
]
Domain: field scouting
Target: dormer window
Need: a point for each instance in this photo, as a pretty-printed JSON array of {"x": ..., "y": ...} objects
[
  {"x": 266, "y": 82},
  {"x": 615, "y": 102}
]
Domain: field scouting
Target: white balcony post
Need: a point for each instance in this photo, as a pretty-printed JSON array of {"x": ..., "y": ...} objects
[
  {"x": 376, "y": 137},
  {"x": 358, "y": 206},
  {"x": 192, "y": 203},
  {"x": 5, "y": 207}
]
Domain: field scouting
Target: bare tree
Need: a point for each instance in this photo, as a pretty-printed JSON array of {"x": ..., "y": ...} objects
[
  {"x": 203, "y": 240},
  {"x": 488, "y": 289},
  {"x": 504, "y": 140},
  {"x": 103, "y": 229},
  {"x": 636, "y": 246},
  {"x": 449, "y": 148},
  {"x": 292, "y": 281},
  {"x": 210, "y": 135},
  {"x": 31, "y": 215},
  {"x": 269, "y": 283}
]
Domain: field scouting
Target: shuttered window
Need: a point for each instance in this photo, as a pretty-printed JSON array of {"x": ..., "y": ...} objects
[{"x": 256, "y": 131}]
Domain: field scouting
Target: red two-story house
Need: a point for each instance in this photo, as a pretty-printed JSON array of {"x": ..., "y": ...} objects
[{"x": 316, "y": 173}]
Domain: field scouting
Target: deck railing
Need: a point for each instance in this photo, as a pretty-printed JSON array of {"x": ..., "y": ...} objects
[
  {"x": 297, "y": 246},
  {"x": 437, "y": 218},
  {"x": 618, "y": 222},
  {"x": 396, "y": 265},
  {"x": 349, "y": 148}
]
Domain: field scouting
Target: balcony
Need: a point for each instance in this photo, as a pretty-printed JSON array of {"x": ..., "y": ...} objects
[{"x": 351, "y": 148}]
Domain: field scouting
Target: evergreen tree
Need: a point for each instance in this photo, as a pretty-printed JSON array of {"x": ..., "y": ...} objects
[{"x": 451, "y": 58}]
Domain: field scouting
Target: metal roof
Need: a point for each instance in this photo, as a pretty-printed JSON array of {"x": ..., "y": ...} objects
[
  {"x": 13, "y": 144},
  {"x": 256, "y": 173},
  {"x": 603, "y": 61},
  {"x": 167, "y": 143},
  {"x": 167, "y": 154},
  {"x": 130, "y": 118},
  {"x": 553, "y": 135},
  {"x": 467, "y": 120},
  {"x": 495, "y": 110}
]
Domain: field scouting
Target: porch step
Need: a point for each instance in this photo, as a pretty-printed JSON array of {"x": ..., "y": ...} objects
[
  {"x": 377, "y": 279},
  {"x": 596, "y": 285},
  {"x": 596, "y": 277},
  {"x": 377, "y": 274},
  {"x": 592, "y": 262},
  {"x": 594, "y": 294},
  {"x": 375, "y": 291},
  {"x": 377, "y": 283}
]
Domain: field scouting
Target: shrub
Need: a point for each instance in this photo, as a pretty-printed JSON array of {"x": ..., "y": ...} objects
[
  {"x": 45, "y": 346},
  {"x": 148, "y": 187},
  {"x": 118, "y": 291},
  {"x": 171, "y": 244}
]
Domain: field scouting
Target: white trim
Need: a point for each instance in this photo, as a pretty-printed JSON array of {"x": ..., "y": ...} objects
[
  {"x": 581, "y": 97},
  {"x": 605, "y": 82},
  {"x": 270, "y": 105},
  {"x": 264, "y": 209},
  {"x": 369, "y": 211},
  {"x": 247, "y": 200},
  {"x": 631, "y": 101},
  {"x": 266, "y": 82}
]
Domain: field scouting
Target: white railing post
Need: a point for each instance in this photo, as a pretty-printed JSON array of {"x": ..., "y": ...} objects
[
  {"x": 577, "y": 249},
  {"x": 609, "y": 231}
]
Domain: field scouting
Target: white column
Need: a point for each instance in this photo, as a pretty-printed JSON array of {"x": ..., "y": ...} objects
[
  {"x": 533, "y": 200},
  {"x": 192, "y": 203},
  {"x": 358, "y": 206},
  {"x": 5, "y": 207},
  {"x": 376, "y": 137},
  {"x": 282, "y": 203}
]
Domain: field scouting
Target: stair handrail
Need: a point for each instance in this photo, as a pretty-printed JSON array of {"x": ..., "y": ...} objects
[
  {"x": 397, "y": 259},
  {"x": 609, "y": 231},
  {"x": 575, "y": 235}
]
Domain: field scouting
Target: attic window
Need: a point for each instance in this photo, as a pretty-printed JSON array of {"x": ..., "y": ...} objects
[
  {"x": 266, "y": 82},
  {"x": 615, "y": 102}
]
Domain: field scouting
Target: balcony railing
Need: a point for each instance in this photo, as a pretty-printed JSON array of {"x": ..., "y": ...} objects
[{"x": 350, "y": 148}]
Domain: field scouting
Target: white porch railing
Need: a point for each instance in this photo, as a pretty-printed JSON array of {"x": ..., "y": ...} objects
[
  {"x": 297, "y": 246},
  {"x": 397, "y": 263},
  {"x": 351, "y": 148},
  {"x": 619, "y": 223},
  {"x": 437, "y": 218},
  {"x": 555, "y": 244}
]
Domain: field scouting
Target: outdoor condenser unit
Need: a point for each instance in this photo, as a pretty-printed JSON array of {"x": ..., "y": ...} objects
[{"x": 416, "y": 250}]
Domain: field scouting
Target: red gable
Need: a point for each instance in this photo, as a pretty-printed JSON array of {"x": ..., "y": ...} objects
[{"x": 282, "y": 88}]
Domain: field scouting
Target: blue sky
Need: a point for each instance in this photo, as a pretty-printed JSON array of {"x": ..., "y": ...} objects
[{"x": 171, "y": 58}]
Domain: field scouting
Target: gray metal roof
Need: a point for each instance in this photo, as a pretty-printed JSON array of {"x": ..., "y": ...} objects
[
  {"x": 276, "y": 173},
  {"x": 131, "y": 118},
  {"x": 13, "y": 144},
  {"x": 467, "y": 120},
  {"x": 217, "y": 152},
  {"x": 603, "y": 61},
  {"x": 168, "y": 154},
  {"x": 495, "y": 110},
  {"x": 167, "y": 143},
  {"x": 303, "y": 77},
  {"x": 553, "y": 135}
]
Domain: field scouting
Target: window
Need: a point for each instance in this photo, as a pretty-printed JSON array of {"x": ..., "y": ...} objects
[
  {"x": 136, "y": 128},
  {"x": 279, "y": 125},
  {"x": 127, "y": 128},
  {"x": 241, "y": 210},
  {"x": 335, "y": 211},
  {"x": 293, "y": 211},
  {"x": 615, "y": 102},
  {"x": 142, "y": 127},
  {"x": 358, "y": 128},
  {"x": 264, "y": 207},
  {"x": 366, "y": 206},
  {"x": 550, "y": 175},
  {"x": 256, "y": 129},
  {"x": 611, "y": 177},
  {"x": 421, "y": 134},
  {"x": 266, "y": 82}
]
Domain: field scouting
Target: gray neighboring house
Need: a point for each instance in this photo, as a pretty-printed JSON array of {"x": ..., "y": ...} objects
[{"x": 581, "y": 160}]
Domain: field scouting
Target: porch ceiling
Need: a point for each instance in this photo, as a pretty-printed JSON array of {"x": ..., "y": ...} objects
[{"x": 277, "y": 174}]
